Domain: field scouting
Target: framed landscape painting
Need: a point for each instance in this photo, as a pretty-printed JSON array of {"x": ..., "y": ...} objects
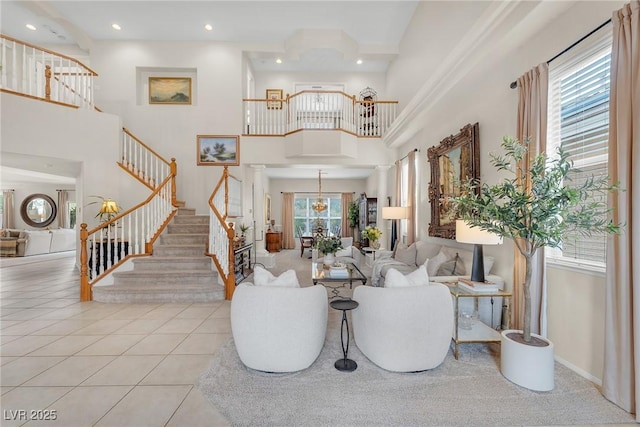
[
  {"x": 218, "y": 150},
  {"x": 170, "y": 90}
]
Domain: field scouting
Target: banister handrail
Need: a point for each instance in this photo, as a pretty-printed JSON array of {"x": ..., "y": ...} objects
[
  {"x": 61, "y": 55},
  {"x": 318, "y": 110},
  {"x": 151, "y": 150},
  {"x": 221, "y": 234},
  {"x": 128, "y": 211},
  {"x": 44, "y": 74},
  {"x": 140, "y": 226}
]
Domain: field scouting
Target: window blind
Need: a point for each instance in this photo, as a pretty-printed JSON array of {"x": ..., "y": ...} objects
[{"x": 578, "y": 108}]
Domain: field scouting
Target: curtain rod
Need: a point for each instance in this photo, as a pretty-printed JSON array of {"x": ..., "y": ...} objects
[
  {"x": 412, "y": 151},
  {"x": 514, "y": 84}
]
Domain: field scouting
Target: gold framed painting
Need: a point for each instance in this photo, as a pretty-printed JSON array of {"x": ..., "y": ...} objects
[
  {"x": 275, "y": 94},
  {"x": 214, "y": 150},
  {"x": 170, "y": 90}
]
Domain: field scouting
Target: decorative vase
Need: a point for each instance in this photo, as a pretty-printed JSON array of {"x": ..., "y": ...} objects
[
  {"x": 375, "y": 244},
  {"x": 329, "y": 259},
  {"x": 529, "y": 366}
]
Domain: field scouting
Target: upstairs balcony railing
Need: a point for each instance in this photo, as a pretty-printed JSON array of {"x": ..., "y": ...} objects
[
  {"x": 318, "y": 110},
  {"x": 36, "y": 72}
]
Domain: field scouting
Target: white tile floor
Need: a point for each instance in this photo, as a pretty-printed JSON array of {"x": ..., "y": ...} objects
[{"x": 100, "y": 364}]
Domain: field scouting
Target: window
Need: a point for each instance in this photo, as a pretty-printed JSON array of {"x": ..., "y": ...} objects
[
  {"x": 579, "y": 123},
  {"x": 71, "y": 215},
  {"x": 306, "y": 219}
]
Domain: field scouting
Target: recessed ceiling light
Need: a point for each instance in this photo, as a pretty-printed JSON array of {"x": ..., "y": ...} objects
[
  {"x": 31, "y": 27},
  {"x": 278, "y": 61},
  {"x": 359, "y": 61},
  {"x": 208, "y": 27},
  {"x": 115, "y": 26}
]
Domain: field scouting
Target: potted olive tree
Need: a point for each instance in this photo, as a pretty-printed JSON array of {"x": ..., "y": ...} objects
[{"x": 534, "y": 217}]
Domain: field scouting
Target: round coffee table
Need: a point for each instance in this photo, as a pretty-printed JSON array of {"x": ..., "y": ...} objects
[{"x": 344, "y": 364}]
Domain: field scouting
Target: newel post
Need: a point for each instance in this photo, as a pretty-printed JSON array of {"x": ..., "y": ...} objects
[
  {"x": 85, "y": 288},
  {"x": 47, "y": 81},
  {"x": 174, "y": 172}
]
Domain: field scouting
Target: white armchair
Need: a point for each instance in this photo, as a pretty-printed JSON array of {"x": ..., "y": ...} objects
[
  {"x": 348, "y": 253},
  {"x": 403, "y": 329},
  {"x": 278, "y": 329}
]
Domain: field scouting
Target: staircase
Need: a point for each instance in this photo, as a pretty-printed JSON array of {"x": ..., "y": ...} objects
[{"x": 178, "y": 270}]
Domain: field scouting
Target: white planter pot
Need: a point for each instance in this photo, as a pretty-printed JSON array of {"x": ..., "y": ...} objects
[
  {"x": 329, "y": 259},
  {"x": 528, "y": 366}
]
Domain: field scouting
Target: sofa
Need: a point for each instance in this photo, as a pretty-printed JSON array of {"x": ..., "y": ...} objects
[
  {"x": 444, "y": 264},
  {"x": 403, "y": 329},
  {"x": 38, "y": 242},
  {"x": 278, "y": 328}
]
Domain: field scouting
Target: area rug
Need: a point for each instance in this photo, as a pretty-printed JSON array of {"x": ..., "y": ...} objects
[{"x": 465, "y": 392}]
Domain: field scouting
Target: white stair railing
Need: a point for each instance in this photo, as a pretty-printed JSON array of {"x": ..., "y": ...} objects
[
  {"x": 224, "y": 203},
  {"x": 141, "y": 161},
  {"x": 36, "y": 72},
  {"x": 128, "y": 234},
  {"x": 326, "y": 110}
]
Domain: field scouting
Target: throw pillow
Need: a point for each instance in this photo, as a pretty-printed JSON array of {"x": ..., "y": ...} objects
[
  {"x": 452, "y": 267},
  {"x": 406, "y": 255},
  {"x": 395, "y": 279},
  {"x": 346, "y": 252},
  {"x": 262, "y": 277},
  {"x": 433, "y": 264}
]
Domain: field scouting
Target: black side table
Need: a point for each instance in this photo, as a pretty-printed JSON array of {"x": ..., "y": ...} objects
[{"x": 344, "y": 364}]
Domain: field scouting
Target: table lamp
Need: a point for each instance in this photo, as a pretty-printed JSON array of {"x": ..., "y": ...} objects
[
  {"x": 394, "y": 213},
  {"x": 465, "y": 233}
]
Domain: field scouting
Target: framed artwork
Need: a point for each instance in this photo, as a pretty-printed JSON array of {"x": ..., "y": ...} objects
[
  {"x": 274, "y": 94},
  {"x": 267, "y": 208},
  {"x": 170, "y": 90},
  {"x": 454, "y": 162},
  {"x": 216, "y": 150}
]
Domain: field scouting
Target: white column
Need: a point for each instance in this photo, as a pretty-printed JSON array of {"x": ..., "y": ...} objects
[
  {"x": 384, "y": 225},
  {"x": 262, "y": 256}
]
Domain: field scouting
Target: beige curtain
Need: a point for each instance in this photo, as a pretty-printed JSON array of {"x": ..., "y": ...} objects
[
  {"x": 8, "y": 210},
  {"x": 411, "y": 198},
  {"x": 288, "y": 236},
  {"x": 398, "y": 195},
  {"x": 346, "y": 199},
  {"x": 63, "y": 197},
  {"x": 533, "y": 89},
  {"x": 621, "y": 377}
]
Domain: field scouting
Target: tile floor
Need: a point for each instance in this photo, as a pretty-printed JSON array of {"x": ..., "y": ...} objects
[{"x": 100, "y": 364}]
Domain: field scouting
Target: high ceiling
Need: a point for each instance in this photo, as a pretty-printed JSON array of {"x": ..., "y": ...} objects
[
  {"x": 318, "y": 36},
  {"x": 305, "y": 35}
]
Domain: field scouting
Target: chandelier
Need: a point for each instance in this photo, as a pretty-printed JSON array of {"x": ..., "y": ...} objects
[{"x": 319, "y": 205}]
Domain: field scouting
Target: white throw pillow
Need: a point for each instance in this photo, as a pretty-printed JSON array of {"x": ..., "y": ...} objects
[
  {"x": 433, "y": 264},
  {"x": 395, "y": 279},
  {"x": 344, "y": 252},
  {"x": 262, "y": 277}
]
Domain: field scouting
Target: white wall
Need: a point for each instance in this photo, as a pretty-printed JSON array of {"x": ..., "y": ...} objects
[
  {"x": 354, "y": 83},
  {"x": 85, "y": 136},
  {"x": 483, "y": 95},
  {"x": 171, "y": 130}
]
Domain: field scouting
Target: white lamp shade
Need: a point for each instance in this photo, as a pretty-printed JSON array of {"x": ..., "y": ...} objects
[
  {"x": 475, "y": 235},
  {"x": 395, "y": 212}
]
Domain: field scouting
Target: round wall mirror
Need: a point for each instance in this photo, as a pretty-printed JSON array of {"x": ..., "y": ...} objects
[{"x": 38, "y": 210}]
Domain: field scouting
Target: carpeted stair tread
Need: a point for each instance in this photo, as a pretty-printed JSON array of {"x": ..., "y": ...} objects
[{"x": 191, "y": 219}]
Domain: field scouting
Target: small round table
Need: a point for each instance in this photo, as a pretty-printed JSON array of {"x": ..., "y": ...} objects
[{"x": 344, "y": 364}]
